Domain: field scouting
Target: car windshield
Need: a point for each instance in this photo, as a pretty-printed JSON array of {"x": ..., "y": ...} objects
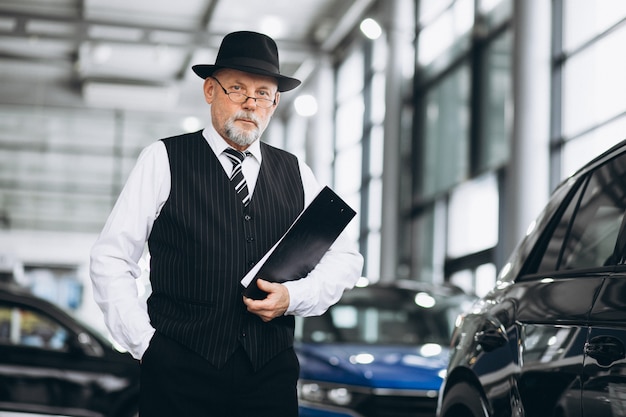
[{"x": 385, "y": 316}]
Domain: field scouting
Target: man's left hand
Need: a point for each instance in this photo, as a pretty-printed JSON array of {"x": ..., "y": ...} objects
[{"x": 272, "y": 306}]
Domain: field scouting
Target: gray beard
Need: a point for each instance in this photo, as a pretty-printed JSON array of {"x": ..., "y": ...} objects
[
  {"x": 243, "y": 139},
  {"x": 239, "y": 136}
]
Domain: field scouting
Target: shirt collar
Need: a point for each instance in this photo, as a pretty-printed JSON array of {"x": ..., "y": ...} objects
[{"x": 218, "y": 144}]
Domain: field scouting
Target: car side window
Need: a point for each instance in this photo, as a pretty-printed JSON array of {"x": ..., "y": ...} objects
[
  {"x": 20, "y": 326},
  {"x": 552, "y": 252},
  {"x": 587, "y": 233}
]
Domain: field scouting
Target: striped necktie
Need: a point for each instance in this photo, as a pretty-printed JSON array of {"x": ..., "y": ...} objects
[{"x": 236, "y": 176}]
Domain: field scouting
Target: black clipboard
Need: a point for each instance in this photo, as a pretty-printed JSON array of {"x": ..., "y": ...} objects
[{"x": 300, "y": 249}]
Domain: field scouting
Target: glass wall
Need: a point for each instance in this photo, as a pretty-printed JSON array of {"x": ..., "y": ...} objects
[
  {"x": 445, "y": 148},
  {"x": 349, "y": 116},
  {"x": 359, "y": 141},
  {"x": 463, "y": 128},
  {"x": 591, "y": 67},
  {"x": 463, "y": 133}
]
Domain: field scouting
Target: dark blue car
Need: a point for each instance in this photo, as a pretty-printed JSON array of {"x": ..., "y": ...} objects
[{"x": 382, "y": 351}]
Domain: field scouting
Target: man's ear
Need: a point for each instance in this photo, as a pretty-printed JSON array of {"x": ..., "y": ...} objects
[{"x": 209, "y": 89}]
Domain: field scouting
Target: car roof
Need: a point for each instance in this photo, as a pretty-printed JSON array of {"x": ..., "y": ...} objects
[
  {"x": 443, "y": 289},
  {"x": 401, "y": 291},
  {"x": 16, "y": 293},
  {"x": 14, "y": 290}
]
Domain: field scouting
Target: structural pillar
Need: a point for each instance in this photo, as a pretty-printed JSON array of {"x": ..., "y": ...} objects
[{"x": 526, "y": 187}]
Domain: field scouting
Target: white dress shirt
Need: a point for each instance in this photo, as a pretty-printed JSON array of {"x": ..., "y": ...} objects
[{"x": 117, "y": 251}]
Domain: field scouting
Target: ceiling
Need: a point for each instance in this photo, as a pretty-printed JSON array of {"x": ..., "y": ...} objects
[
  {"x": 72, "y": 55},
  {"x": 88, "y": 51}
]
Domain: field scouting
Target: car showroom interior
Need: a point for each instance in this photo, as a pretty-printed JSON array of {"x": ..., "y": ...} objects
[{"x": 478, "y": 141}]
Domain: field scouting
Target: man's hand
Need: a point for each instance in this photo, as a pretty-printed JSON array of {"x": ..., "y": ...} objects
[{"x": 274, "y": 305}]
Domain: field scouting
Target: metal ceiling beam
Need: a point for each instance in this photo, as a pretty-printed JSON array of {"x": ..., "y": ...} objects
[{"x": 195, "y": 38}]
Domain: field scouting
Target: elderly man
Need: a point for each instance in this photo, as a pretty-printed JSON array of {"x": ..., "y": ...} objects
[{"x": 209, "y": 204}]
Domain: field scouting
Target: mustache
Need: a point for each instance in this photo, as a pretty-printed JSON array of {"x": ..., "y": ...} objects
[{"x": 250, "y": 116}]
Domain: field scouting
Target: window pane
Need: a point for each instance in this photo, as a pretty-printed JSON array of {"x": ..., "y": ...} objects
[
  {"x": 578, "y": 151},
  {"x": 375, "y": 203},
  {"x": 377, "y": 110},
  {"x": 473, "y": 217},
  {"x": 594, "y": 84},
  {"x": 350, "y": 76},
  {"x": 497, "y": 103},
  {"x": 354, "y": 227},
  {"x": 423, "y": 254},
  {"x": 348, "y": 171},
  {"x": 486, "y": 6},
  {"x": 442, "y": 34},
  {"x": 463, "y": 279},
  {"x": 349, "y": 123},
  {"x": 584, "y": 19},
  {"x": 485, "y": 279},
  {"x": 376, "y": 151},
  {"x": 445, "y": 158},
  {"x": 429, "y": 9},
  {"x": 495, "y": 11},
  {"x": 379, "y": 54},
  {"x": 479, "y": 281},
  {"x": 372, "y": 265}
]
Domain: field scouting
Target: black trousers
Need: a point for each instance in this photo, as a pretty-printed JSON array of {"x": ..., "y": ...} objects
[{"x": 177, "y": 382}]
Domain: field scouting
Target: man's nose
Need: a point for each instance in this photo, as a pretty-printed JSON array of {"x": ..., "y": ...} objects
[{"x": 250, "y": 102}]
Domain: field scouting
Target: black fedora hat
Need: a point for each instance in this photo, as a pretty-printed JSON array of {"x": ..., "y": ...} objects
[{"x": 249, "y": 52}]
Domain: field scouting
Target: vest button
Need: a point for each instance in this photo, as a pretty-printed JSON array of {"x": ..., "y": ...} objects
[
  {"x": 247, "y": 217},
  {"x": 250, "y": 239}
]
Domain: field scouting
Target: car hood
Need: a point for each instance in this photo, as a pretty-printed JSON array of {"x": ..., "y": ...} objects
[{"x": 394, "y": 367}]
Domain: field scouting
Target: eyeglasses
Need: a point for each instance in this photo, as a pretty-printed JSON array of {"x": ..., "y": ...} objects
[{"x": 239, "y": 98}]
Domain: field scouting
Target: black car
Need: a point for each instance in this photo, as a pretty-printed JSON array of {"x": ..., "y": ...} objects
[
  {"x": 51, "y": 365},
  {"x": 381, "y": 351},
  {"x": 550, "y": 338}
]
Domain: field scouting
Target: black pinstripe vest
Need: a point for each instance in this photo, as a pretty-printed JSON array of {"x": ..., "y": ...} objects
[{"x": 204, "y": 241}]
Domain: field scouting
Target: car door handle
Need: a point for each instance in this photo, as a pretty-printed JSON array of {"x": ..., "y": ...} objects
[
  {"x": 490, "y": 338},
  {"x": 605, "y": 349}
]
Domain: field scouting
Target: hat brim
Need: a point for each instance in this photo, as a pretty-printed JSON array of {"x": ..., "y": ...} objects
[{"x": 284, "y": 83}]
